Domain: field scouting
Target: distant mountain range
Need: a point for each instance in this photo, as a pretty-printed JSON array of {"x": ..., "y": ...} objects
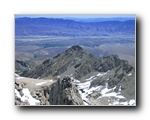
[
  {"x": 87, "y": 20},
  {"x": 65, "y": 27}
]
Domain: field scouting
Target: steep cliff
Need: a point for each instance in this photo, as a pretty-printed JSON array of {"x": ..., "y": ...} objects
[{"x": 63, "y": 92}]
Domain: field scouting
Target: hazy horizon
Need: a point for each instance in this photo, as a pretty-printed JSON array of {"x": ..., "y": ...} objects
[{"x": 74, "y": 16}]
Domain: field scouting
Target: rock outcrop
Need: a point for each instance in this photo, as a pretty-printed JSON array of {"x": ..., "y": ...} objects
[
  {"x": 21, "y": 66},
  {"x": 63, "y": 92}
]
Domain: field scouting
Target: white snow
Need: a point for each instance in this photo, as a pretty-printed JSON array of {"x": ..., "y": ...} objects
[
  {"x": 89, "y": 91},
  {"x": 90, "y": 78},
  {"x": 120, "y": 103},
  {"x": 114, "y": 88},
  {"x": 105, "y": 90},
  {"x": 17, "y": 78},
  {"x": 132, "y": 102},
  {"x": 85, "y": 91},
  {"x": 17, "y": 93},
  {"x": 40, "y": 83},
  {"x": 109, "y": 93},
  {"x": 84, "y": 85},
  {"x": 28, "y": 97},
  {"x": 75, "y": 80},
  {"x": 16, "y": 75},
  {"x": 106, "y": 85},
  {"x": 129, "y": 74},
  {"x": 85, "y": 103},
  {"x": 101, "y": 74},
  {"x": 119, "y": 89}
]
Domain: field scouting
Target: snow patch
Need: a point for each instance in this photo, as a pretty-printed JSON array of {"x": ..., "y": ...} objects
[
  {"x": 40, "y": 83},
  {"x": 90, "y": 78},
  {"x": 75, "y": 80},
  {"x": 17, "y": 93},
  {"x": 85, "y": 91},
  {"x": 132, "y": 102},
  {"x": 85, "y": 103},
  {"x": 16, "y": 75},
  {"x": 119, "y": 89},
  {"x": 27, "y": 97},
  {"x": 101, "y": 74},
  {"x": 130, "y": 74}
]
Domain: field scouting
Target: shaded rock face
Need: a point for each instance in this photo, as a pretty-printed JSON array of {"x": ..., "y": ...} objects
[
  {"x": 74, "y": 60},
  {"x": 21, "y": 66},
  {"x": 110, "y": 62},
  {"x": 63, "y": 92}
]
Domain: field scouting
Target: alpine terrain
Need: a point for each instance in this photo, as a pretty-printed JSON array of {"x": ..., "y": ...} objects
[{"x": 76, "y": 77}]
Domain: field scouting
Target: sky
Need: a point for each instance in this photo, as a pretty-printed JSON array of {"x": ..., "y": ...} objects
[{"x": 74, "y": 15}]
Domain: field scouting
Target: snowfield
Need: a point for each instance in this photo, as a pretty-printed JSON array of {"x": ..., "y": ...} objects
[
  {"x": 27, "y": 97},
  {"x": 29, "y": 85},
  {"x": 85, "y": 92},
  {"x": 98, "y": 95}
]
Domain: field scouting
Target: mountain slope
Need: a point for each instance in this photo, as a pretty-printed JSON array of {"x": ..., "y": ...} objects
[
  {"x": 108, "y": 81},
  {"x": 75, "y": 61},
  {"x": 21, "y": 66}
]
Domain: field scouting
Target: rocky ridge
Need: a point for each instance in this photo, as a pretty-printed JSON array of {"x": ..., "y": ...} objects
[
  {"x": 75, "y": 61},
  {"x": 81, "y": 79},
  {"x": 60, "y": 92},
  {"x": 21, "y": 66}
]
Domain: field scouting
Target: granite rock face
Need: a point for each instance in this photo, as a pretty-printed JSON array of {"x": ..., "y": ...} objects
[{"x": 63, "y": 92}]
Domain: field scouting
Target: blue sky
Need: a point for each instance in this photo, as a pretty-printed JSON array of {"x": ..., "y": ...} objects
[{"x": 73, "y": 16}]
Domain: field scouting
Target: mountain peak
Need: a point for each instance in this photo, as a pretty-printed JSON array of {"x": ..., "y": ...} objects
[
  {"x": 75, "y": 61},
  {"x": 76, "y": 48}
]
